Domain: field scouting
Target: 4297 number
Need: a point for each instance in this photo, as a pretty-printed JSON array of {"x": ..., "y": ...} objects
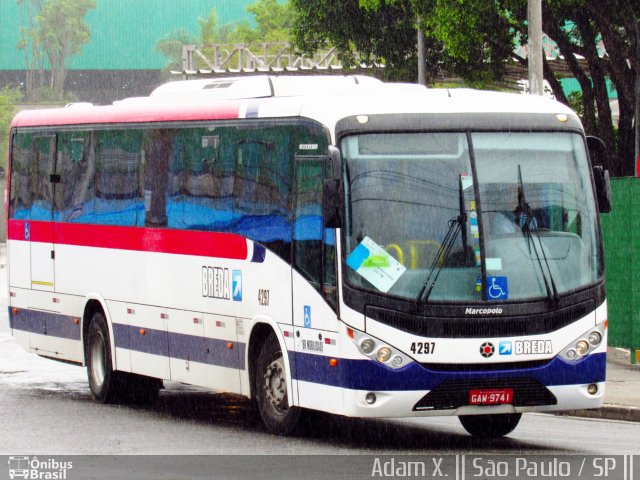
[{"x": 423, "y": 348}]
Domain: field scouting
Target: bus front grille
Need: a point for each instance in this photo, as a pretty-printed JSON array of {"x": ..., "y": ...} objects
[{"x": 452, "y": 394}]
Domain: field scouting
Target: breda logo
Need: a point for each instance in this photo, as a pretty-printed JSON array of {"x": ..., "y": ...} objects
[{"x": 487, "y": 349}]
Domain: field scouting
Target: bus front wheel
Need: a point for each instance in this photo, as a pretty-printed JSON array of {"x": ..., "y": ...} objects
[
  {"x": 271, "y": 390},
  {"x": 490, "y": 426}
]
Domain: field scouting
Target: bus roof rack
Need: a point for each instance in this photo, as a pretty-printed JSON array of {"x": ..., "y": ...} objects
[{"x": 260, "y": 86}]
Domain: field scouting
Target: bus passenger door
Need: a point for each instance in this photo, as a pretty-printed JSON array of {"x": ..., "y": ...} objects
[
  {"x": 40, "y": 229},
  {"x": 313, "y": 283}
]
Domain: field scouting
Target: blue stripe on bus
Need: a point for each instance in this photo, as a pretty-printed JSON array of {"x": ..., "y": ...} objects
[
  {"x": 252, "y": 109},
  {"x": 210, "y": 351},
  {"x": 369, "y": 375},
  {"x": 44, "y": 323}
]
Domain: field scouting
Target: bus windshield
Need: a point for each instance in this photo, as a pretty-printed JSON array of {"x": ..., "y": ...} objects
[{"x": 470, "y": 217}]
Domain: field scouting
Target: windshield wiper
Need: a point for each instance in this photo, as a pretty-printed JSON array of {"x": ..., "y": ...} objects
[
  {"x": 456, "y": 224},
  {"x": 524, "y": 217}
]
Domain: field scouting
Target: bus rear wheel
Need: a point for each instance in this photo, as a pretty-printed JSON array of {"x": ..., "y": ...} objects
[
  {"x": 106, "y": 384},
  {"x": 272, "y": 396},
  {"x": 102, "y": 378},
  {"x": 490, "y": 426}
]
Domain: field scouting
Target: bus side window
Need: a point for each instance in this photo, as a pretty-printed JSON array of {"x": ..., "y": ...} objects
[
  {"x": 261, "y": 190},
  {"x": 22, "y": 154},
  {"x": 158, "y": 162},
  {"x": 117, "y": 197},
  {"x": 40, "y": 169},
  {"x": 76, "y": 166}
]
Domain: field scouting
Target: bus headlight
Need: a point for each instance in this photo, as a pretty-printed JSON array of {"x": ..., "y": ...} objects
[
  {"x": 367, "y": 345},
  {"x": 378, "y": 351},
  {"x": 595, "y": 338},
  {"x": 585, "y": 344},
  {"x": 582, "y": 347},
  {"x": 384, "y": 354}
]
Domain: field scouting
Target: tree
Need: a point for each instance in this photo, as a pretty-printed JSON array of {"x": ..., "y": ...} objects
[
  {"x": 8, "y": 98},
  {"x": 476, "y": 38},
  {"x": 30, "y": 43},
  {"x": 273, "y": 22},
  {"x": 56, "y": 30},
  {"x": 386, "y": 31}
]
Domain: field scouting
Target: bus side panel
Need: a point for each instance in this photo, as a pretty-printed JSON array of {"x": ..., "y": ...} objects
[{"x": 19, "y": 253}]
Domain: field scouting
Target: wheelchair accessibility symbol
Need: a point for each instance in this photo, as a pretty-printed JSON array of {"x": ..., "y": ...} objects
[{"x": 497, "y": 288}]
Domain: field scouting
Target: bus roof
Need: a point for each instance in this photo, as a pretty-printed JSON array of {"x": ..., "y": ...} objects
[{"x": 326, "y": 99}]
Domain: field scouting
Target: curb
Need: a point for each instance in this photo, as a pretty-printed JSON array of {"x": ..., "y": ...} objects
[{"x": 607, "y": 412}]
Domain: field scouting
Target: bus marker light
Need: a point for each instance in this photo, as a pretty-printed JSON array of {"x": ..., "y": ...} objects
[
  {"x": 230, "y": 346},
  {"x": 370, "y": 398},
  {"x": 142, "y": 331},
  {"x": 12, "y": 294},
  {"x": 76, "y": 321},
  {"x": 592, "y": 389},
  {"x": 333, "y": 362},
  {"x": 362, "y": 119},
  {"x": 350, "y": 332},
  {"x": 606, "y": 323},
  {"x": 562, "y": 117},
  {"x": 14, "y": 310}
]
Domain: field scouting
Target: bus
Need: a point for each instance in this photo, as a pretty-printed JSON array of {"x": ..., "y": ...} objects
[{"x": 333, "y": 243}]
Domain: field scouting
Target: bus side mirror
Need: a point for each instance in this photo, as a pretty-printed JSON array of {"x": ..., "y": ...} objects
[
  {"x": 603, "y": 188},
  {"x": 332, "y": 191},
  {"x": 600, "y": 164},
  {"x": 331, "y": 203}
]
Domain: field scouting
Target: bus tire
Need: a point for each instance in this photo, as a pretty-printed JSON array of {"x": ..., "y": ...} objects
[
  {"x": 103, "y": 380},
  {"x": 490, "y": 426},
  {"x": 271, "y": 389}
]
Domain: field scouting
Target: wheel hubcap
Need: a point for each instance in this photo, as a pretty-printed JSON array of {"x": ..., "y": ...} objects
[
  {"x": 276, "y": 386},
  {"x": 98, "y": 359}
]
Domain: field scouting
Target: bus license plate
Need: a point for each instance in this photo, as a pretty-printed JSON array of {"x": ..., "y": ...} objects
[{"x": 496, "y": 396}]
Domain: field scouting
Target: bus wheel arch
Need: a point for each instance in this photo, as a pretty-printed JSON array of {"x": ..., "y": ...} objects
[
  {"x": 108, "y": 385},
  {"x": 270, "y": 388}
]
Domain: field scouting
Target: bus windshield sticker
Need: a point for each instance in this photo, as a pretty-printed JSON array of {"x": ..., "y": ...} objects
[
  {"x": 493, "y": 263},
  {"x": 497, "y": 288},
  {"x": 375, "y": 265},
  {"x": 466, "y": 180}
]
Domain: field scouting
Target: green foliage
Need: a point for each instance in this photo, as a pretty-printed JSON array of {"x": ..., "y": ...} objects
[
  {"x": 273, "y": 20},
  {"x": 386, "y": 34},
  {"x": 576, "y": 103},
  {"x": 8, "y": 98},
  {"x": 57, "y": 31}
]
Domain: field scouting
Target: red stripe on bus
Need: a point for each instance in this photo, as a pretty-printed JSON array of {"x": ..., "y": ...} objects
[
  {"x": 159, "y": 240},
  {"x": 164, "y": 112}
]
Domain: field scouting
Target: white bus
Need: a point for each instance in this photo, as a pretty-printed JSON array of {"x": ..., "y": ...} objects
[{"x": 316, "y": 243}]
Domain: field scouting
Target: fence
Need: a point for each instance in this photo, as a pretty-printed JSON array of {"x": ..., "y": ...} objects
[{"x": 621, "y": 229}]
